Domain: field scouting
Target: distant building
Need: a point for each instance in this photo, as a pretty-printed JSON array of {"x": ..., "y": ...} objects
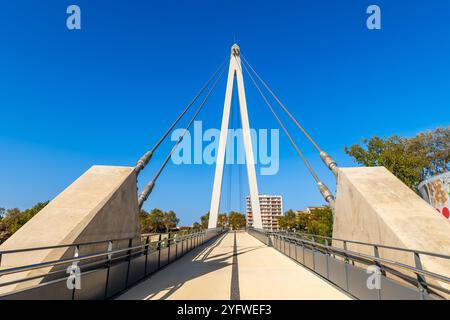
[
  {"x": 271, "y": 208},
  {"x": 308, "y": 210}
]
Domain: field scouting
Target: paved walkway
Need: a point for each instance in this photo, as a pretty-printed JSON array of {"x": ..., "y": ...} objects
[{"x": 234, "y": 266}]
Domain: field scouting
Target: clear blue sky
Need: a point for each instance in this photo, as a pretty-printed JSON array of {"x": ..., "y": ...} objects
[{"x": 102, "y": 95}]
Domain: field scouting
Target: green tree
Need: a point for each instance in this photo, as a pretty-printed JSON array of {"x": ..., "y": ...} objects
[
  {"x": 303, "y": 219},
  {"x": 144, "y": 221},
  {"x": 204, "y": 219},
  {"x": 222, "y": 220},
  {"x": 158, "y": 221},
  {"x": 288, "y": 221},
  {"x": 196, "y": 226},
  {"x": 236, "y": 220},
  {"x": 3, "y": 230},
  {"x": 170, "y": 220},
  {"x": 13, "y": 219},
  {"x": 320, "y": 222},
  {"x": 412, "y": 160}
]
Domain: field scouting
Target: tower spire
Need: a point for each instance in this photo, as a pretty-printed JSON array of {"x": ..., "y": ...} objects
[{"x": 235, "y": 72}]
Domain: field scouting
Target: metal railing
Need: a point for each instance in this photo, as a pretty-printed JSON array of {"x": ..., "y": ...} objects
[
  {"x": 102, "y": 274},
  {"x": 348, "y": 269}
]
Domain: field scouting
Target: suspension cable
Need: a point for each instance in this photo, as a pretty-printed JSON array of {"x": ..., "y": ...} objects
[
  {"x": 326, "y": 158},
  {"x": 328, "y": 196},
  {"x": 145, "y": 159},
  {"x": 149, "y": 187}
]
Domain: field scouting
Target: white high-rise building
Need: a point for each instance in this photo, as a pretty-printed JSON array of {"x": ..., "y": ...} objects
[{"x": 271, "y": 208}]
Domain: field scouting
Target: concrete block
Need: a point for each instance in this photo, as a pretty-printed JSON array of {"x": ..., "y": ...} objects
[
  {"x": 100, "y": 205},
  {"x": 372, "y": 205}
]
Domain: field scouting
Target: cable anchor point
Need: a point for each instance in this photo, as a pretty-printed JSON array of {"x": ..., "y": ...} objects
[
  {"x": 235, "y": 50},
  {"x": 326, "y": 193},
  {"x": 329, "y": 162}
]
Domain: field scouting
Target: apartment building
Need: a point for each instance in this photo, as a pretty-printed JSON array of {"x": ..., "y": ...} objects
[
  {"x": 271, "y": 208},
  {"x": 309, "y": 209}
]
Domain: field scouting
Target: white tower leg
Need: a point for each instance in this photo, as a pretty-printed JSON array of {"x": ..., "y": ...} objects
[{"x": 235, "y": 70}]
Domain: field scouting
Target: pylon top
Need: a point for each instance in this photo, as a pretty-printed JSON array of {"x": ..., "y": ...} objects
[{"x": 235, "y": 50}]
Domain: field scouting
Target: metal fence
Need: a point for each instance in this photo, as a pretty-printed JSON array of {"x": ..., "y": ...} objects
[
  {"x": 349, "y": 271},
  {"x": 100, "y": 275}
]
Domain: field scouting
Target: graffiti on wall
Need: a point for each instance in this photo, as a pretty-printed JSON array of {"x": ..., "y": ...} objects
[{"x": 436, "y": 191}]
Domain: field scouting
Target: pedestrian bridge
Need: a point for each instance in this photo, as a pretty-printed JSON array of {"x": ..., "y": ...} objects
[
  {"x": 234, "y": 266},
  {"x": 221, "y": 264},
  {"x": 86, "y": 243}
]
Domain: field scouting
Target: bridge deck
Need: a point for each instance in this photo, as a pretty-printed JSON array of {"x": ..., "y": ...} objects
[{"x": 234, "y": 266}]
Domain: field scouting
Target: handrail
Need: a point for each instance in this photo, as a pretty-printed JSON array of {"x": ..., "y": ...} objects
[
  {"x": 366, "y": 258},
  {"x": 57, "y": 262},
  {"x": 378, "y": 259},
  {"x": 80, "y": 243},
  {"x": 173, "y": 248},
  {"x": 61, "y": 246},
  {"x": 433, "y": 254}
]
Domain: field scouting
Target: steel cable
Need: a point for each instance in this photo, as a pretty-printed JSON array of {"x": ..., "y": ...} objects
[
  {"x": 144, "y": 160},
  {"x": 322, "y": 187},
  {"x": 326, "y": 158},
  {"x": 149, "y": 187}
]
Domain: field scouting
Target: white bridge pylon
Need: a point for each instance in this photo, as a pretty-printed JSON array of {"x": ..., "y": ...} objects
[{"x": 235, "y": 70}]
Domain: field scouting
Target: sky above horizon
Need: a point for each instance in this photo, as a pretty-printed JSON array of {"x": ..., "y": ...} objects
[{"x": 105, "y": 93}]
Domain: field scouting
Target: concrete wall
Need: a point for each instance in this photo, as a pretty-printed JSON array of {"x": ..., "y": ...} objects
[
  {"x": 372, "y": 205},
  {"x": 100, "y": 205}
]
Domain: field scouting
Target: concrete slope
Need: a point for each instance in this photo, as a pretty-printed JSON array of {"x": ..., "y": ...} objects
[
  {"x": 99, "y": 205},
  {"x": 374, "y": 206}
]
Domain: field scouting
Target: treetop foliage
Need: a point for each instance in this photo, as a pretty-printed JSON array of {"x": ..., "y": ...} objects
[
  {"x": 234, "y": 220},
  {"x": 12, "y": 219},
  {"x": 412, "y": 160},
  {"x": 319, "y": 221},
  {"x": 158, "y": 221}
]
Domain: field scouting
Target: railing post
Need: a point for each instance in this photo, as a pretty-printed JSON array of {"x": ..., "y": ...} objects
[
  {"x": 168, "y": 248},
  {"x": 159, "y": 251},
  {"x": 326, "y": 244},
  {"x": 345, "y": 253},
  {"x": 330, "y": 245},
  {"x": 176, "y": 245},
  {"x": 147, "y": 244},
  {"x": 130, "y": 244},
  {"x": 421, "y": 283},
  {"x": 379, "y": 265},
  {"x": 195, "y": 240},
  {"x": 108, "y": 265},
  {"x": 183, "y": 237},
  {"x": 346, "y": 260},
  {"x": 313, "y": 246},
  {"x": 290, "y": 247},
  {"x": 376, "y": 253},
  {"x": 327, "y": 256},
  {"x": 75, "y": 255}
]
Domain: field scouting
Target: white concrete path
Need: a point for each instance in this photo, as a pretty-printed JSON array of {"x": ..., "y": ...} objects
[{"x": 234, "y": 266}]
